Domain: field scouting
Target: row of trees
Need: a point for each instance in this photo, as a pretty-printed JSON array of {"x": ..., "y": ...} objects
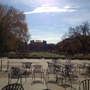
[
  {"x": 13, "y": 29},
  {"x": 77, "y": 41}
]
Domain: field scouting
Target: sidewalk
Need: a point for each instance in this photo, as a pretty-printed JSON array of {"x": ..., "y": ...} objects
[{"x": 36, "y": 86}]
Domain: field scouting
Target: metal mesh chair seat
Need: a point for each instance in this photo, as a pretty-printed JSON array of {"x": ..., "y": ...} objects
[
  {"x": 84, "y": 85},
  {"x": 14, "y": 86}
]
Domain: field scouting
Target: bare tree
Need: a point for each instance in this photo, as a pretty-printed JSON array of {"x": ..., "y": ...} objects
[{"x": 81, "y": 34}]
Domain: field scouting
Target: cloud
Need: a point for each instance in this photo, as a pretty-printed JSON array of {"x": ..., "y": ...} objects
[
  {"x": 48, "y": 8},
  {"x": 68, "y": 7}
]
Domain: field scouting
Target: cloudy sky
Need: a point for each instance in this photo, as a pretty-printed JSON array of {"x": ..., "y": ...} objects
[{"x": 50, "y": 19}]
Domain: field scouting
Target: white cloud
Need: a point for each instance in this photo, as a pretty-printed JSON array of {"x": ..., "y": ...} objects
[
  {"x": 67, "y": 7},
  {"x": 48, "y": 8}
]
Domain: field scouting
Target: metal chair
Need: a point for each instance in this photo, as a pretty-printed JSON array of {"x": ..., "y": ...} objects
[
  {"x": 16, "y": 73},
  {"x": 84, "y": 85},
  {"x": 39, "y": 70},
  {"x": 87, "y": 71},
  {"x": 26, "y": 66},
  {"x": 68, "y": 61},
  {"x": 81, "y": 66},
  {"x": 55, "y": 60},
  {"x": 64, "y": 73},
  {"x": 72, "y": 70},
  {"x": 14, "y": 86},
  {"x": 50, "y": 64},
  {"x": 50, "y": 71}
]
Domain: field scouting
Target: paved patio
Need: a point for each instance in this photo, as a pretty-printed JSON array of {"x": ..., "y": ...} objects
[{"x": 37, "y": 85}]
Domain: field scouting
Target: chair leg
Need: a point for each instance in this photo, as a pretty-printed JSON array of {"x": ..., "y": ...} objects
[
  {"x": 79, "y": 70},
  {"x": 25, "y": 77},
  {"x": 41, "y": 77},
  {"x": 47, "y": 77},
  {"x": 34, "y": 76},
  {"x": 21, "y": 80},
  {"x": 9, "y": 80}
]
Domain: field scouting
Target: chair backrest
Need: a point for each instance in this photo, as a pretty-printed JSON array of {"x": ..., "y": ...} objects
[
  {"x": 59, "y": 61},
  {"x": 55, "y": 60},
  {"x": 50, "y": 64},
  {"x": 15, "y": 71},
  {"x": 68, "y": 61},
  {"x": 68, "y": 67},
  {"x": 38, "y": 68},
  {"x": 14, "y": 86},
  {"x": 88, "y": 70},
  {"x": 84, "y": 85},
  {"x": 83, "y": 65},
  {"x": 26, "y": 65},
  {"x": 51, "y": 70}
]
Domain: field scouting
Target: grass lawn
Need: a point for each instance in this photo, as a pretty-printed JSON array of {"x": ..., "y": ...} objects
[{"x": 45, "y": 54}]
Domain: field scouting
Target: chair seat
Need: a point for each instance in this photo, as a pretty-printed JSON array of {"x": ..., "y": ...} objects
[
  {"x": 84, "y": 85},
  {"x": 14, "y": 86}
]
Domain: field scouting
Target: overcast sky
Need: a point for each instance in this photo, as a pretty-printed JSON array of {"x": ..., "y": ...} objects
[{"x": 50, "y": 19}]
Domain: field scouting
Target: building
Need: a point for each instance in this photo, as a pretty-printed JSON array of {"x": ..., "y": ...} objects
[{"x": 40, "y": 46}]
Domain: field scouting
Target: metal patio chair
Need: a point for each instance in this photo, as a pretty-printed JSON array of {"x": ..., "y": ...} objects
[
  {"x": 81, "y": 66},
  {"x": 14, "y": 86},
  {"x": 84, "y": 85},
  {"x": 50, "y": 64},
  {"x": 50, "y": 71},
  {"x": 68, "y": 61},
  {"x": 37, "y": 69},
  {"x": 64, "y": 73},
  {"x": 87, "y": 71},
  {"x": 55, "y": 60},
  {"x": 16, "y": 73},
  {"x": 26, "y": 66}
]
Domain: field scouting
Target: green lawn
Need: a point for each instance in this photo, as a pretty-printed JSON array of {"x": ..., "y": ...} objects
[{"x": 45, "y": 54}]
